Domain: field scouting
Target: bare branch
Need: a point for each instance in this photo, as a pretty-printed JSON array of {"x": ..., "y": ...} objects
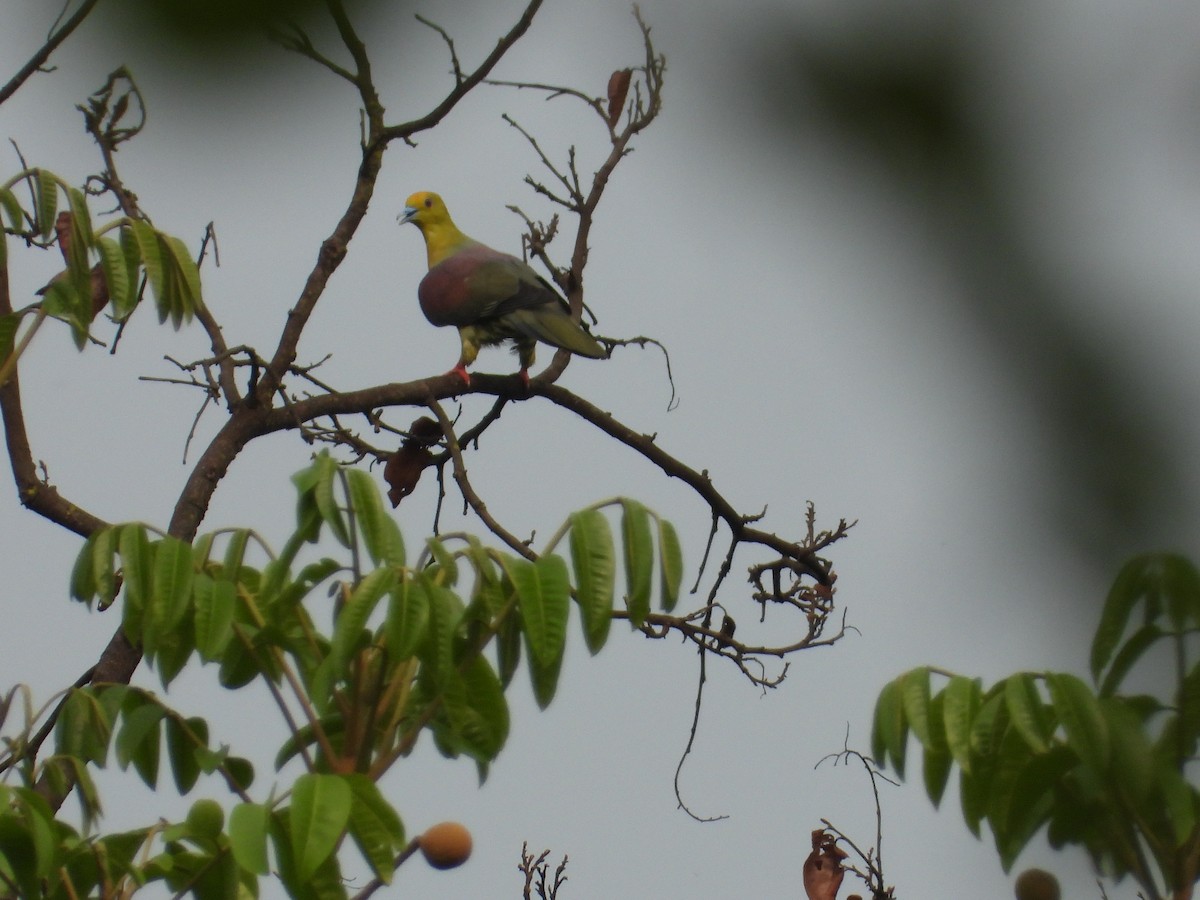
[
  {"x": 872, "y": 858},
  {"x": 467, "y": 84},
  {"x": 456, "y": 67},
  {"x": 296, "y": 39},
  {"x": 468, "y": 492},
  {"x": 55, "y": 38},
  {"x": 576, "y": 198}
]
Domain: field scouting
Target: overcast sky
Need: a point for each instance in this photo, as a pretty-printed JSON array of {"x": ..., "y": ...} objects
[{"x": 827, "y": 344}]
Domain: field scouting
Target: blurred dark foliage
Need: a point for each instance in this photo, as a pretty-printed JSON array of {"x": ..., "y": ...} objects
[
  {"x": 197, "y": 34},
  {"x": 1111, "y": 480}
]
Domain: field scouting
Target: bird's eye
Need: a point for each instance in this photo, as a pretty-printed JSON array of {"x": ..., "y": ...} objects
[{"x": 428, "y": 203}]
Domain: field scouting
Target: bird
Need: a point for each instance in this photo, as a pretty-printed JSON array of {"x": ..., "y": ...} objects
[{"x": 489, "y": 296}]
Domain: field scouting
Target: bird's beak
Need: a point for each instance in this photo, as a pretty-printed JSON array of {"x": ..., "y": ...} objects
[{"x": 407, "y": 215}]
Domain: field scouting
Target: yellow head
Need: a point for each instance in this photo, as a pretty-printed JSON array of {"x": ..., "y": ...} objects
[
  {"x": 424, "y": 208},
  {"x": 428, "y": 212}
]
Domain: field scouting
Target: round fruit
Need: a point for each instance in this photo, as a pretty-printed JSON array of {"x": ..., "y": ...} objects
[
  {"x": 446, "y": 845},
  {"x": 206, "y": 819},
  {"x": 1037, "y": 884}
]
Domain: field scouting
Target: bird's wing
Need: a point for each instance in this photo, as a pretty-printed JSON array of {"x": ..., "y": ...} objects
[
  {"x": 512, "y": 285},
  {"x": 478, "y": 283}
]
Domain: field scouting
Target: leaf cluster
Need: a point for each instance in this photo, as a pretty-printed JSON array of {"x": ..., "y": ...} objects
[
  {"x": 1099, "y": 768},
  {"x": 138, "y": 255},
  {"x": 390, "y": 649}
]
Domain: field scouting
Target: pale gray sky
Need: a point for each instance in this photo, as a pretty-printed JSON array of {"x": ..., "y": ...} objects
[{"x": 825, "y": 345}]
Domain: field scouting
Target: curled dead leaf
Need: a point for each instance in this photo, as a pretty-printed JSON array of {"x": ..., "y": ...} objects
[
  {"x": 618, "y": 90},
  {"x": 823, "y": 871},
  {"x": 404, "y": 467}
]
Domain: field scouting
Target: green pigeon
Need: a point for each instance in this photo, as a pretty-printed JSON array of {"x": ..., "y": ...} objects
[{"x": 489, "y": 296}]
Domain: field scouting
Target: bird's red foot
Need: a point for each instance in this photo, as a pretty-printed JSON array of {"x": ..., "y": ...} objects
[
  {"x": 461, "y": 371},
  {"x": 524, "y": 376}
]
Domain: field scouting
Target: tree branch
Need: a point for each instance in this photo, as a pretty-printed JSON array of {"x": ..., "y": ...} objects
[
  {"x": 52, "y": 42},
  {"x": 466, "y": 85}
]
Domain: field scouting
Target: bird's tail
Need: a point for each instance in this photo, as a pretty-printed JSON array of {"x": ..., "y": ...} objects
[{"x": 558, "y": 330}]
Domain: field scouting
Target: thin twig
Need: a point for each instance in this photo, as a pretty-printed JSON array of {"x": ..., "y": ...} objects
[
  {"x": 52, "y": 43},
  {"x": 456, "y": 67},
  {"x": 468, "y": 492}
]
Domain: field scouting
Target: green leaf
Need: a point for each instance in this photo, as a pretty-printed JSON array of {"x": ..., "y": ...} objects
[
  {"x": 639, "y": 559},
  {"x": 889, "y": 734},
  {"x": 332, "y": 725},
  {"x": 379, "y": 530},
  {"x": 1187, "y": 702},
  {"x": 914, "y": 692},
  {"x": 1126, "y": 590},
  {"x": 12, "y": 208},
  {"x": 80, "y": 213},
  {"x": 183, "y": 740},
  {"x": 216, "y": 606},
  {"x": 175, "y": 652},
  {"x": 44, "y": 830},
  {"x": 241, "y": 771},
  {"x": 326, "y": 883},
  {"x": 670, "y": 564},
  {"x": 1027, "y": 712},
  {"x": 140, "y": 739},
  {"x": 65, "y": 773},
  {"x": 132, "y": 255},
  {"x": 16, "y": 847},
  {"x": 235, "y": 553},
  {"x": 594, "y": 557},
  {"x": 352, "y": 619},
  {"x": 1134, "y": 765},
  {"x": 326, "y": 472},
  {"x": 544, "y": 601},
  {"x": 1181, "y": 590},
  {"x": 445, "y": 570},
  {"x": 1181, "y": 801},
  {"x": 408, "y": 618},
  {"x": 82, "y": 237},
  {"x": 173, "y": 575},
  {"x": 104, "y": 577},
  {"x": 46, "y": 188},
  {"x": 544, "y": 679},
  {"x": 375, "y": 826},
  {"x": 1011, "y": 756},
  {"x": 1131, "y": 651},
  {"x": 1031, "y": 796},
  {"x": 487, "y": 577},
  {"x": 508, "y": 647},
  {"x": 990, "y": 723},
  {"x": 319, "y": 813},
  {"x": 185, "y": 275},
  {"x": 489, "y": 726},
  {"x": 137, "y": 565},
  {"x": 937, "y": 759},
  {"x": 1082, "y": 720},
  {"x": 150, "y": 253},
  {"x": 248, "y": 836},
  {"x": 282, "y": 606},
  {"x": 477, "y": 711},
  {"x": 973, "y": 792},
  {"x": 120, "y": 290},
  {"x": 960, "y": 704},
  {"x": 83, "y": 575},
  {"x": 63, "y": 300},
  {"x": 85, "y": 723},
  {"x": 445, "y": 615}
]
